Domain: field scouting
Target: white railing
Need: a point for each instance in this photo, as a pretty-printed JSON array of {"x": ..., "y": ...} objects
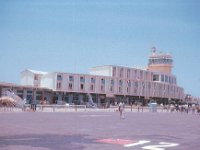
[
  {"x": 57, "y": 108},
  {"x": 83, "y": 108}
]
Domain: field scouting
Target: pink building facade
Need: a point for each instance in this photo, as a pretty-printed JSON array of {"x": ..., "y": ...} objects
[{"x": 107, "y": 84}]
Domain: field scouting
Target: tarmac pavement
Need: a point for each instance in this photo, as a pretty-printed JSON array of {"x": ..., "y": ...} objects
[{"x": 99, "y": 131}]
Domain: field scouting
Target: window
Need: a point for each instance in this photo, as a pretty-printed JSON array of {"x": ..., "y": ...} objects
[
  {"x": 166, "y": 60},
  {"x": 143, "y": 85},
  {"x": 70, "y": 86},
  {"x": 59, "y": 77},
  {"x": 38, "y": 97},
  {"x": 128, "y": 73},
  {"x": 82, "y": 79},
  {"x": 174, "y": 80},
  {"x": 129, "y": 83},
  {"x": 135, "y": 73},
  {"x": 141, "y": 74},
  {"x": 121, "y": 72},
  {"x": 39, "y": 92},
  {"x": 127, "y": 90},
  {"x": 135, "y": 90},
  {"x": 111, "y": 88},
  {"x": 102, "y": 88},
  {"x": 36, "y": 77},
  {"x": 166, "y": 78},
  {"x": 146, "y": 75},
  {"x": 155, "y": 86},
  {"x": 102, "y": 81},
  {"x": 92, "y": 80},
  {"x": 120, "y": 89},
  {"x": 92, "y": 87},
  {"x": 149, "y": 85},
  {"x": 71, "y": 78},
  {"x": 162, "y": 78},
  {"x": 120, "y": 82},
  {"x": 112, "y": 82},
  {"x": 155, "y": 77},
  {"x": 170, "y": 79},
  {"x": 20, "y": 91},
  {"x": 28, "y": 98},
  {"x": 114, "y": 71},
  {"x": 58, "y": 85},
  {"x": 150, "y": 61},
  {"x": 82, "y": 86},
  {"x": 29, "y": 92}
]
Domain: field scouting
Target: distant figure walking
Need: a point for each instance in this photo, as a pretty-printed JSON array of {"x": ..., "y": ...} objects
[
  {"x": 121, "y": 110},
  {"x": 24, "y": 105},
  {"x": 33, "y": 105}
]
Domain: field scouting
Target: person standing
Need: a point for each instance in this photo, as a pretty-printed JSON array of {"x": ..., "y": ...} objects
[
  {"x": 121, "y": 110},
  {"x": 33, "y": 105},
  {"x": 24, "y": 105}
]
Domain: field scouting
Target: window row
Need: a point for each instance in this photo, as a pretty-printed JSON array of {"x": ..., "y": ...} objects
[
  {"x": 127, "y": 83},
  {"x": 164, "y": 78},
  {"x": 160, "y": 61},
  {"x": 130, "y": 73},
  {"x": 102, "y": 87},
  {"x": 138, "y": 75},
  {"x": 81, "y": 79}
]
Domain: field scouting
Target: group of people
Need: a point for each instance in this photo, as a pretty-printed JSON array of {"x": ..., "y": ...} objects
[
  {"x": 185, "y": 108},
  {"x": 194, "y": 109}
]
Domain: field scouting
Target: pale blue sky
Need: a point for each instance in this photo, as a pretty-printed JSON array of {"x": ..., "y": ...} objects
[{"x": 74, "y": 35}]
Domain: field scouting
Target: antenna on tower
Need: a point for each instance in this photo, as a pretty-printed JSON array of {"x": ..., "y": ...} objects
[{"x": 153, "y": 49}]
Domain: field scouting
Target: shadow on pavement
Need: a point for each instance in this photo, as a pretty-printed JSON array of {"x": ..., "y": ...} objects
[{"x": 49, "y": 141}]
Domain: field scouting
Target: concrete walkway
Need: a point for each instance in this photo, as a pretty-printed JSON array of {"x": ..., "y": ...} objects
[{"x": 98, "y": 131}]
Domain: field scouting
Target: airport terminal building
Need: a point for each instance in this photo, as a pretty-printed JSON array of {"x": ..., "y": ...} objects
[{"x": 107, "y": 85}]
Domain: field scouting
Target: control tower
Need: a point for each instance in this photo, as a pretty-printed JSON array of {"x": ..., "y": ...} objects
[{"x": 159, "y": 62}]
